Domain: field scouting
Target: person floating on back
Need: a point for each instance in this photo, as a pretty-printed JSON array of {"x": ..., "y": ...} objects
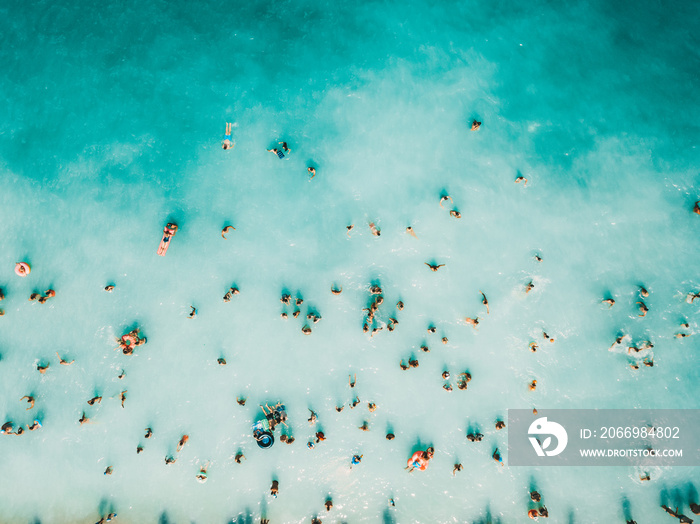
[{"x": 228, "y": 142}]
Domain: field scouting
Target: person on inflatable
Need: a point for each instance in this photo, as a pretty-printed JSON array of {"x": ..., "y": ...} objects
[{"x": 420, "y": 460}]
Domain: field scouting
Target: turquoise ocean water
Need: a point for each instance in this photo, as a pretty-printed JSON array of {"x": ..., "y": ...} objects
[{"x": 113, "y": 117}]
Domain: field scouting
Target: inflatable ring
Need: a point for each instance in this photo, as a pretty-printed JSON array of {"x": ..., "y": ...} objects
[
  {"x": 417, "y": 461},
  {"x": 265, "y": 439},
  {"x": 129, "y": 339},
  {"x": 22, "y": 269}
]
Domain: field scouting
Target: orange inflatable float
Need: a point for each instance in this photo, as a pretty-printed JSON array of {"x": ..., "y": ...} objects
[
  {"x": 420, "y": 459},
  {"x": 22, "y": 269}
]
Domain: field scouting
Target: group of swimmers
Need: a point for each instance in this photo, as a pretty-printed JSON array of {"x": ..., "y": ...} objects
[
  {"x": 695, "y": 508},
  {"x": 312, "y": 315},
  {"x": 130, "y": 340}
]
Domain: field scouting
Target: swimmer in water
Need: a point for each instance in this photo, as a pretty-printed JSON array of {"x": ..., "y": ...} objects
[
  {"x": 472, "y": 321},
  {"x": 313, "y": 417},
  {"x": 337, "y": 291},
  {"x": 202, "y": 475},
  {"x": 375, "y": 231},
  {"x": 390, "y": 436},
  {"x": 221, "y": 361},
  {"x": 356, "y": 459},
  {"x": 463, "y": 380},
  {"x": 529, "y": 287},
  {"x": 42, "y": 369},
  {"x": 122, "y": 396},
  {"x": 521, "y": 179},
  {"x": 275, "y": 488},
  {"x": 64, "y": 362},
  {"x": 241, "y": 401},
  {"x": 285, "y": 148},
  {"x": 30, "y": 401},
  {"x": 455, "y": 213},
  {"x": 193, "y": 313},
  {"x": 83, "y": 419},
  {"x": 609, "y": 301},
  {"x": 458, "y": 467},
  {"x": 533, "y": 346},
  {"x": 228, "y": 140},
  {"x": 643, "y": 292},
  {"x": 94, "y": 400},
  {"x": 372, "y": 407},
  {"x": 306, "y": 329},
  {"x": 239, "y": 456},
  {"x": 497, "y": 457},
  {"x": 413, "y": 363},
  {"x": 352, "y": 381},
  {"x": 328, "y": 504},
  {"x": 149, "y": 433},
  {"x": 349, "y": 228},
  {"x": 109, "y": 288},
  {"x": 643, "y": 309},
  {"x": 696, "y": 208},
  {"x": 433, "y": 267},
  {"x": 410, "y": 231},
  {"x": 364, "y": 426},
  {"x": 533, "y": 385},
  {"x": 475, "y": 125},
  {"x": 618, "y": 341},
  {"x": 403, "y": 366},
  {"x": 484, "y": 301},
  {"x": 500, "y": 424},
  {"x": 445, "y": 198},
  {"x": 355, "y": 402},
  {"x": 170, "y": 460},
  {"x": 226, "y": 230},
  {"x": 182, "y": 442},
  {"x": 399, "y": 305},
  {"x": 312, "y": 172}
]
